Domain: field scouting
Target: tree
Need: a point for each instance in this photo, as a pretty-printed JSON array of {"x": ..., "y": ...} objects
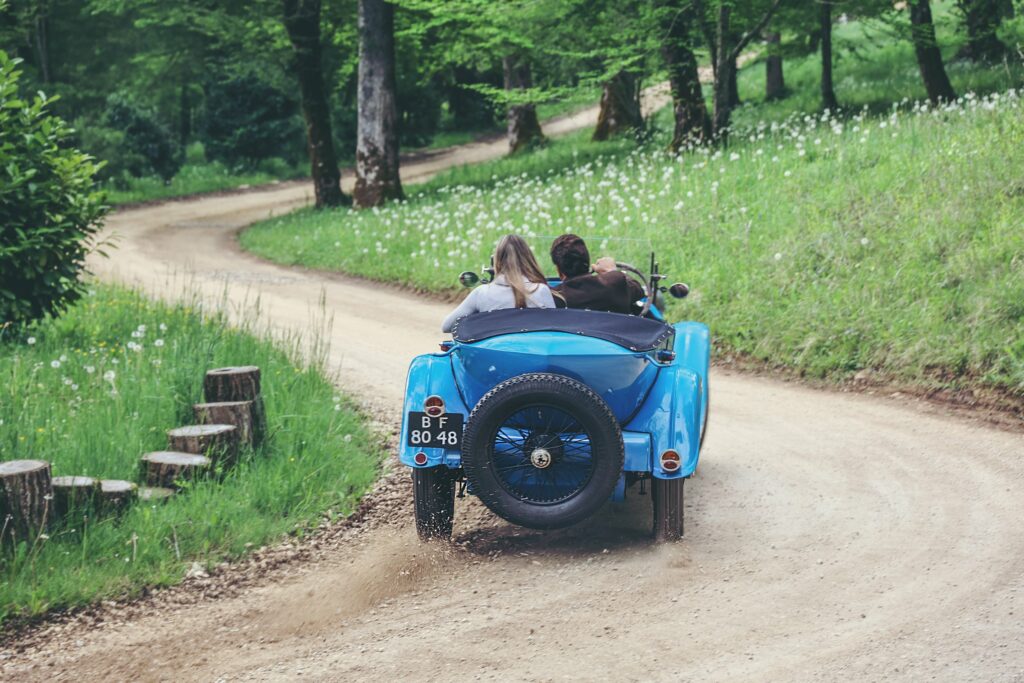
[
  {"x": 619, "y": 110},
  {"x": 981, "y": 20},
  {"x": 302, "y": 22},
  {"x": 377, "y": 175},
  {"x": 727, "y": 51},
  {"x": 926, "y": 48},
  {"x": 774, "y": 80},
  {"x": 523, "y": 126},
  {"x": 828, "y": 93},
  {"x": 677, "y": 19}
]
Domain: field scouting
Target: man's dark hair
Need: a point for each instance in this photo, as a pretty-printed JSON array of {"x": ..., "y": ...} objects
[{"x": 569, "y": 254}]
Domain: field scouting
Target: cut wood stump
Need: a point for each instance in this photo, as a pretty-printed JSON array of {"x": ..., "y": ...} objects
[
  {"x": 154, "y": 494},
  {"x": 73, "y": 493},
  {"x": 217, "y": 442},
  {"x": 116, "y": 494},
  {"x": 165, "y": 469},
  {"x": 25, "y": 495},
  {"x": 239, "y": 414},
  {"x": 242, "y": 383}
]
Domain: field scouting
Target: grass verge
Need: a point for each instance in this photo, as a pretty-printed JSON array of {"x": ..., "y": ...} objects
[
  {"x": 93, "y": 390},
  {"x": 193, "y": 178}
]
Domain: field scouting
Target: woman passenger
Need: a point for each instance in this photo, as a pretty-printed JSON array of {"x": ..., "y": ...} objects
[{"x": 518, "y": 283}]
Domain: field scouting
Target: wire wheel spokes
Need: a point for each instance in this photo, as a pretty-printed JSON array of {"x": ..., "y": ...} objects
[{"x": 542, "y": 454}]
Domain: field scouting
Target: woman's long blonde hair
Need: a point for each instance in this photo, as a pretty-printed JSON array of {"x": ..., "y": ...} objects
[{"x": 514, "y": 260}]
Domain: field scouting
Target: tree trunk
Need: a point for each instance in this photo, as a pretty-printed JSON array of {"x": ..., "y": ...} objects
[
  {"x": 774, "y": 80},
  {"x": 302, "y": 22},
  {"x": 828, "y": 93},
  {"x": 73, "y": 493},
  {"x": 523, "y": 126},
  {"x": 116, "y": 494},
  {"x": 217, "y": 442},
  {"x": 929, "y": 58},
  {"x": 690, "y": 114},
  {"x": 723, "y": 74},
  {"x": 981, "y": 19},
  {"x": 25, "y": 493},
  {"x": 165, "y": 469},
  {"x": 239, "y": 414},
  {"x": 728, "y": 49},
  {"x": 184, "y": 114},
  {"x": 734, "y": 86},
  {"x": 42, "y": 40},
  {"x": 377, "y": 177},
  {"x": 233, "y": 384},
  {"x": 620, "y": 107}
]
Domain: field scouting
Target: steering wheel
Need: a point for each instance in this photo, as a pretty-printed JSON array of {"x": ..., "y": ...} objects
[{"x": 642, "y": 279}]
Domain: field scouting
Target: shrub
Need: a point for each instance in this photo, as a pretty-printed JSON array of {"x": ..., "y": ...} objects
[
  {"x": 145, "y": 138},
  {"x": 248, "y": 120},
  {"x": 49, "y": 210}
]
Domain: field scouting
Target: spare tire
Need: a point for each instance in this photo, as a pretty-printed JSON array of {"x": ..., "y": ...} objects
[{"x": 542, "y": 451}]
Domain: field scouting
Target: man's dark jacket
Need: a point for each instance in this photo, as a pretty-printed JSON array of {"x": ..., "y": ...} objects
[{"x": 615, "y": 292}]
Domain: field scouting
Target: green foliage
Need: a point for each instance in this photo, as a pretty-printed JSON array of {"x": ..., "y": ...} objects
[
  {"x": 819, "y": 244},
  {"x": 48, "y": 209},
  {"x": 248, "y": 121},
  {"x": 144, "y": 136},
  {"x": 92, "y": 391}
]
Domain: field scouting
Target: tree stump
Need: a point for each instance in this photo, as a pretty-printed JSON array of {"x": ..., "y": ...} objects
[
  {"x": 154, "y": 494},
  {"x": 239, "y": 414},
  {"x": 73, "y": 493},
  {"x": 165, "y": 468},
  {"x": 116, "y": 494},
  {"x": 224, "y": 385},
  {"x": 25, "y": 493},
  {"x": 217, "y": 442}
]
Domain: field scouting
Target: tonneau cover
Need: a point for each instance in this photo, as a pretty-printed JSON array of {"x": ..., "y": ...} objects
[{"x": 628, "y": 331}]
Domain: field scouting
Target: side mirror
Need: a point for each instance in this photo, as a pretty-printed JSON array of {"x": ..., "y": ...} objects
[
  {"x": 469, "y": 278},
  {"x": 679, "y": 290}
]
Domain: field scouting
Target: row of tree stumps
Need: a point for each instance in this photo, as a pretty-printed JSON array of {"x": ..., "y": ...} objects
[{"x": 231, "y": 418}]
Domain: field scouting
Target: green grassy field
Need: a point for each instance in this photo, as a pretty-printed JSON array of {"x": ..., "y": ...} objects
[
  {"x": 92, "y": 391},
  {"x": 821, "y": 244}
]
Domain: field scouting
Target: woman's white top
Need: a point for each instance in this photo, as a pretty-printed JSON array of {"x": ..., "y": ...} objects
[{"x": 495, "y": 295}]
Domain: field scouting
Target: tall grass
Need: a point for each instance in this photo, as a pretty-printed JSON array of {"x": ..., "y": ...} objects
[
  {"x": 823, "y": 244},
  {"x": 92, "y": 391}
]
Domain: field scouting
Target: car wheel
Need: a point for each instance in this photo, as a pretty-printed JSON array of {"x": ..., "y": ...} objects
[
  {"x": 667, "y": 500},
  {"x": 434, "y": 501},
  {"x": 542, "y": 451}
]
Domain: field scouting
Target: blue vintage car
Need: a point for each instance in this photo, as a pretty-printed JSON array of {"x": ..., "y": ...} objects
[{"x": 546, "y": 414}]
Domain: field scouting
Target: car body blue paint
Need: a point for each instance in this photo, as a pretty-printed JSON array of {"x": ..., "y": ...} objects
[{"x": 660, "y": 406}]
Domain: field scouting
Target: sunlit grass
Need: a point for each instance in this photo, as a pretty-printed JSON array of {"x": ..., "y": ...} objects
[
  {"x": 822, "y": 244},
  {"x": 92, "y": 391}
]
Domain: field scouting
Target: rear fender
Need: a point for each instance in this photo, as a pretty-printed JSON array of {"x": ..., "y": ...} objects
[
  {"x": 430, "y": 375},
  {"x": 673, "y": 413}
]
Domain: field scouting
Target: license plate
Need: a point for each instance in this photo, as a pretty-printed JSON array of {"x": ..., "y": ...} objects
[{"x": 443, "y": 431}]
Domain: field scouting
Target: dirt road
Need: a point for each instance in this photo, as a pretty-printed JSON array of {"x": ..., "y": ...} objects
[{"x": 829, "y": 536}]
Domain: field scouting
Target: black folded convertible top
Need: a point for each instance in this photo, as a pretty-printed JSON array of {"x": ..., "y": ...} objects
[{"x": 629, "y": 331}]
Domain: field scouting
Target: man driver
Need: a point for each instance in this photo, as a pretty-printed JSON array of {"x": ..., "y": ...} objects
[{"x": 604, "y": 289}]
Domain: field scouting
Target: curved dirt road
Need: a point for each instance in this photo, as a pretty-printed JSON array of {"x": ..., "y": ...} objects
[{"x": 829, "y": 536}]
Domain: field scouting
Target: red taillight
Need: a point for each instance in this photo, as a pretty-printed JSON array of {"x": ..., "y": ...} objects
[
  {"x": 434, "y": 406},
  {"x": 420, "y": 458},
  {"x": 670, "y": 461},
  {"x": 446, "y": 346}
]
